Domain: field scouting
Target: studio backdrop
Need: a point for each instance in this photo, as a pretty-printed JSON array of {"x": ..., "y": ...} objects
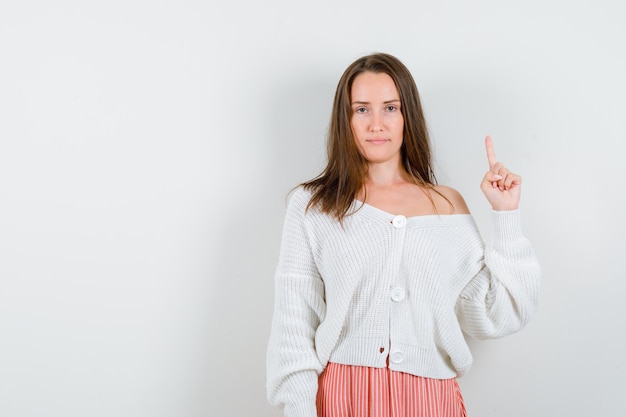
[{"x": 147, "y": 150}]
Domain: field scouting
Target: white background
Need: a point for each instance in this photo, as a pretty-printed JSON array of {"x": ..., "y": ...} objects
[{"x": 147, "y": 147}]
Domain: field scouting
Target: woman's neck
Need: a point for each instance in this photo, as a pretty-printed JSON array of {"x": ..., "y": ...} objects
[{"x": 385, "y": 174}]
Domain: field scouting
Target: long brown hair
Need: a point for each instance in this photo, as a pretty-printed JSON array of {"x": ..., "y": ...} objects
[{"x": 336, "y": 188}]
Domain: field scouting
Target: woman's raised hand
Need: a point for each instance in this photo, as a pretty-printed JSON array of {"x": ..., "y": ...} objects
[{"x": 501, "y": 187}]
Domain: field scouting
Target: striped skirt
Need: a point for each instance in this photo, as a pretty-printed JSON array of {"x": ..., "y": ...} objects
[{"x": 358, "y": 391}]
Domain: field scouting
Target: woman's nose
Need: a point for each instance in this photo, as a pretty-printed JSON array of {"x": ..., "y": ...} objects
[{"x": 376, "y": 122}]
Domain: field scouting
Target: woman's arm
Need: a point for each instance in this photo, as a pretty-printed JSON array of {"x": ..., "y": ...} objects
[
  {"x": 292, "y": 363},
  {"x": 504, "y": 295}
]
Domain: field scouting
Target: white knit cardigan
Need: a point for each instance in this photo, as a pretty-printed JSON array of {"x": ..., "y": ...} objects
[{"x": 386, "y": 290}]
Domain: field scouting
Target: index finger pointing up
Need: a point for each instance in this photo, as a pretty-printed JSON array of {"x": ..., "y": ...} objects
[{"x": 491, "y": 155}]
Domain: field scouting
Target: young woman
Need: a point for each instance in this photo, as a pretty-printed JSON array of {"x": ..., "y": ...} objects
[{"x": 382, "y": 271}]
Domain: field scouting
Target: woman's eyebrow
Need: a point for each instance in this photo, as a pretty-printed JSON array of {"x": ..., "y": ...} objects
[{"x": 384, "y": 102}]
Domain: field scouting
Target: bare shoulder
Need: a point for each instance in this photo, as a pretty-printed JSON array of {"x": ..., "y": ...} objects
[{"x": 453, "y": 197}]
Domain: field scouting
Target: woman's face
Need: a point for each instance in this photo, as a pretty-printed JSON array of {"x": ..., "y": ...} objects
[{"x": 377, "y": 122}]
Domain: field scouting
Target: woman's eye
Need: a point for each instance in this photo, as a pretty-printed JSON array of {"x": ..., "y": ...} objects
[
  {"x": 360, "y": 110},
  {"x": 392, "y": 108}
]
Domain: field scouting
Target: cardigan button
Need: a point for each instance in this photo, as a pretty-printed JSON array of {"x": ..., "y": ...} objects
[
  {"x": 397, "y": 357},
  {"x": 399, "y": 221},
  {"x": 397, "y": 294}
]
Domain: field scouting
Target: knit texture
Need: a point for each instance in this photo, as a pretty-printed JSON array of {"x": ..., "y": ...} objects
[{"x": 385, "y": 290}]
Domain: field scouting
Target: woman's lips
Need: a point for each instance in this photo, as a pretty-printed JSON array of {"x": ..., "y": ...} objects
[{"x": 377, "y": 141}]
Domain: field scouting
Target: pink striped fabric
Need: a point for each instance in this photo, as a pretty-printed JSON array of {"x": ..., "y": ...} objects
[{"x": 359, "y": 391}]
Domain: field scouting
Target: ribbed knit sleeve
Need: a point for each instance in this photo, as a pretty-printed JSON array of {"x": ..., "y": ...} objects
[
  {"x": 504, "y": 295},
  {"x": 293, "y": 366}
]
